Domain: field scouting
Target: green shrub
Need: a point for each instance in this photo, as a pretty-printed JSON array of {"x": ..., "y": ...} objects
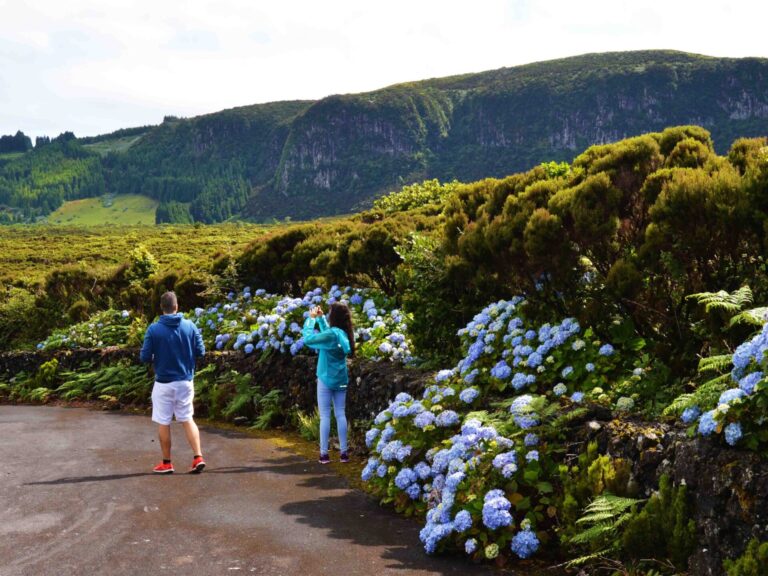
[
  {"x": 663, "y": 528},
  {"x": 754, "y": 561}
]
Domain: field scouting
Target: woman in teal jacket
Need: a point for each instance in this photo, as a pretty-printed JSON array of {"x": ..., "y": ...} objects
[{"x": 335, "y": 343}]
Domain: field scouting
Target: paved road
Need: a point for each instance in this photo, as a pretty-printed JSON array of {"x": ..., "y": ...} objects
[{"x": 76, "y": 498}]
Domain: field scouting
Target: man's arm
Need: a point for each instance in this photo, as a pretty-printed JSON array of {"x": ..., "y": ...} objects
[
  {"x": 146, "y": 350},
  {"x": 199, "y": 344}
]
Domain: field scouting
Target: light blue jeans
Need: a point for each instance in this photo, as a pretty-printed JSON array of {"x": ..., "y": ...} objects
[{"x": 326, "y": 397}]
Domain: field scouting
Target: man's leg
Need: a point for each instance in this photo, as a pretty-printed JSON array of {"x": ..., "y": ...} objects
[
  {"x": 193, "y": 436},
  {"x": 184, "y": 410},
  {"x": 164, "y": 433},
  {"x": 162, "y": 414}
]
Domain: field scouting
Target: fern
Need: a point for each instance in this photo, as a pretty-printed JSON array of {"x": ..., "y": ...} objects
[
  {"x": 245, "y": 393},
  {"x": 40, "y": 394},
  {"x": 309, "y": 425},
  {"x": 603, "y": 518},
  {"x": 722, "y": 300},
  {"x": 719, "y": 363},
  {"x": 705, "y": 395},
  {"x": 752, "y": 317},
  {"x": 564, "y": 420},
  {"x": 270, "y": 409}
]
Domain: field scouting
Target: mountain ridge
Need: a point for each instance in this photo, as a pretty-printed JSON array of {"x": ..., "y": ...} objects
[{"x": 307, "y": 158}]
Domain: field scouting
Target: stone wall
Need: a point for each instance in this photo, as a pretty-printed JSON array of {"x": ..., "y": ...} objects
[
  {"x": 728, "y": 487},
  {"x": 372, "y": 384}
]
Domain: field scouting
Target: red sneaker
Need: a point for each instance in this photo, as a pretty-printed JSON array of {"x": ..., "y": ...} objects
[
  {"x": 163, "y": 469},
  {"x": 198, "y": 464}
]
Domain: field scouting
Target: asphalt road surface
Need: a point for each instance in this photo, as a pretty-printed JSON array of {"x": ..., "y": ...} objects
[{"x": 77, "y": 496}]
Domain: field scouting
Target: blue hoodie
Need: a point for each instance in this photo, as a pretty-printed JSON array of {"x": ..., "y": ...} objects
[
  {"x": 334, "y": 347},
  {"x": 172, "y": 343}
]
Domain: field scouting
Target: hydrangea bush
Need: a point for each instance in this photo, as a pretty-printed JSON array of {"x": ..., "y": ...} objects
[
  {"x": 254, "y": 321},
  {"x": 484, "y": 481},
  {"x": 107, "y": 328},
  {"x": 258, "y": 321},
  {"x": 740, "y": 413}
]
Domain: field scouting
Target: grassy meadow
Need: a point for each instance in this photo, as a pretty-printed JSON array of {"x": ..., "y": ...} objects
[
  {"x": 120, "y": 144},
  {"x": 29, "y": 253},
  {"x": 126, "y": 209}
]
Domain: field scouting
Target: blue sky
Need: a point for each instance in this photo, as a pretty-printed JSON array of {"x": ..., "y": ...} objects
[{"x": 96, "y": 66}]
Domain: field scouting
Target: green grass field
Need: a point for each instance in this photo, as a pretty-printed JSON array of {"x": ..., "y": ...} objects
[
  {"x": 128, "y": 209},
  {"x": 29, "y": 253},
  {"x": 115, "y": 145}
]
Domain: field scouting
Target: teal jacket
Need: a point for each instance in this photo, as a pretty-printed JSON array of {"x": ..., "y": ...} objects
[{"x": 333, "y": 345}]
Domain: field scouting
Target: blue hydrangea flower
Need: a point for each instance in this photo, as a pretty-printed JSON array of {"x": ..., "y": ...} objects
[
  {"x": 707, "y": 423},
  {"x": 577, "y": 397},
  {"x": 463, "y": 521},
  {"x": 501, "y": 370},
  {"x": 535, "y": 360},
  {"x": 521, "y": 404},
  {"x": 501, "y": 460},
  {"x": 532, "y": 455},
  {"x": 413, "y": 491},
  {"x": 733, "y": 433},
  {"x": 690, "y": 414},
  {"x": 495, "y": 510},
  {"x": 589, "y": 367},
  {"x": 443, "y": 375},
  {"x": 370, "y": 436},
  {"x": 567, "y": 371},
  {"x": 524, "y": 544},
  {"x": 468, "y": 395},
  {"x": 248, "y": 348},
  {"x": 605, "y": 350},
  {"x": 388, "y": 433},
  {"x": 749, "y": 382},
  {"x": 424, "y": 419},
  {"x": 405, "y": 477},
  {"x": 447, "y": 418},
  {"x": 470, "y": 378},
  {"x": 531, "y": 439},
  {"x": 381, "y": 471},
  {"x": 560, "y": 389},
  {"x": 423, "y": 471},
  {"x": 519, "y": 380},
  {"x": 470, "y": 546},
  {"x": 730, "y": 395}
]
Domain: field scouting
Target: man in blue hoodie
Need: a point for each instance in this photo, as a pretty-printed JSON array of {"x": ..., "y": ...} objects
[{"x": 172, "y": 344}]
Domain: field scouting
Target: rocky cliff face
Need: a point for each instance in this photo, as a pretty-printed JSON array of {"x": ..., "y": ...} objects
[{"x": 345, "y": 150}]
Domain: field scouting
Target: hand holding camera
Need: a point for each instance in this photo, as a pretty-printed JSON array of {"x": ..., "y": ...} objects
[{"x": 315, "y": 312}]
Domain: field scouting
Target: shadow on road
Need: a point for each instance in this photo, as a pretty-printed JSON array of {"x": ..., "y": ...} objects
[
  {"x": 287, "y": 465},
  {"x": 81, "y": 479},
  {"x": 350, "y": 517}
]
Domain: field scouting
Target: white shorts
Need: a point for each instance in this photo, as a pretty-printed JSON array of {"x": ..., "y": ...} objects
[{"x": 171, "y": 399}]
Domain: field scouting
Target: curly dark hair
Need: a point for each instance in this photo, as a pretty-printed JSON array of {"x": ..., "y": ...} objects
[{"x": 340, "y": 317}]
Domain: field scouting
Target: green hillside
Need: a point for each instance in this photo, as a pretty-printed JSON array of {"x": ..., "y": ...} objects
[
  {"x": 304, "y": 159},
  {"x": 127, "y": 209}
]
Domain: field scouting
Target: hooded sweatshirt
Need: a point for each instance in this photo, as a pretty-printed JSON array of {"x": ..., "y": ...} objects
[
  {"x": 334, "y": 347},
  {"x": 172, "y": 343}
]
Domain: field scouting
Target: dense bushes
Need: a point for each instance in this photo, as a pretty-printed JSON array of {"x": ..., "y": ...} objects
[{"x": 631, "y": 229}]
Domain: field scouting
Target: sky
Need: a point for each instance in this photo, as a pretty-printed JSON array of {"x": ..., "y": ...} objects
[{"x": 94, "y": 66}]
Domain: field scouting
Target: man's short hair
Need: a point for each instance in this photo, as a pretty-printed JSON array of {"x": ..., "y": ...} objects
[{"x": 168, "y": 303}]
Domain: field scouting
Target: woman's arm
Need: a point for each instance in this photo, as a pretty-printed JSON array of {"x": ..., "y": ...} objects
[{"x": 324, "y": 340}]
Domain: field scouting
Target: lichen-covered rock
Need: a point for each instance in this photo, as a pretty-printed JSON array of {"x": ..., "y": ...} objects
[{"x": 728, "y": 487}]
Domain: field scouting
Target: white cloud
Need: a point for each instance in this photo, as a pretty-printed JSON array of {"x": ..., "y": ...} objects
[{"x": 92, "y": 66}]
